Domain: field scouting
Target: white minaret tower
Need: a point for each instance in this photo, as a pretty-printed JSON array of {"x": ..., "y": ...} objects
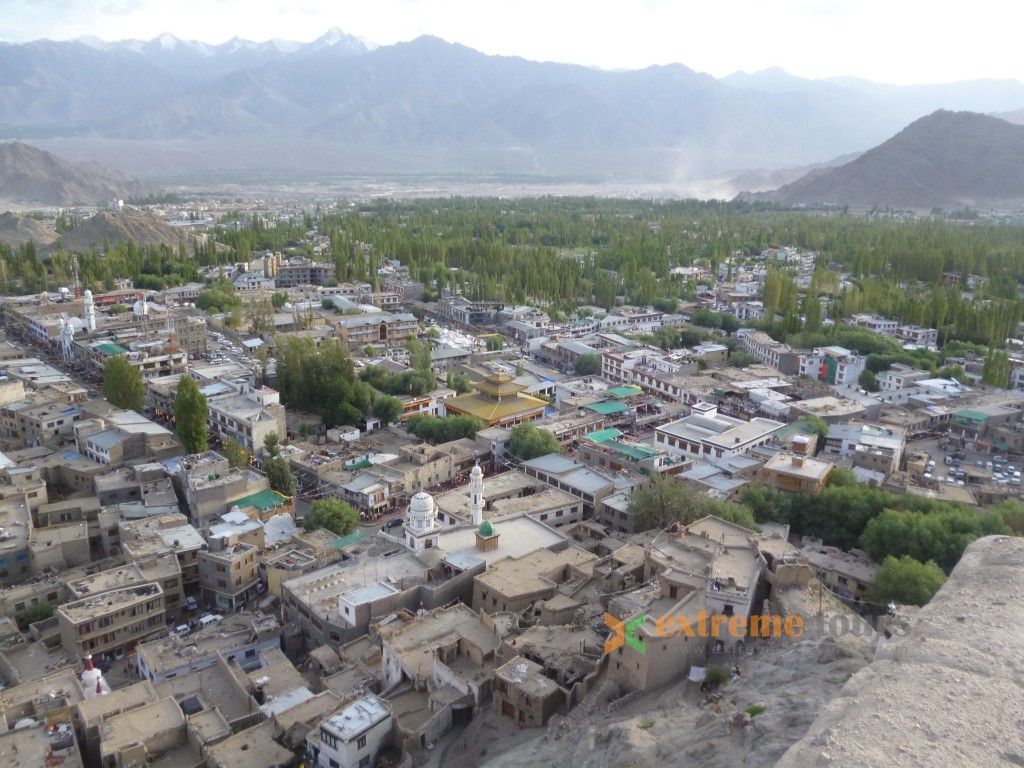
[
  {"x": 90, "y": 312},
  {"x": 476, "y": 496}
]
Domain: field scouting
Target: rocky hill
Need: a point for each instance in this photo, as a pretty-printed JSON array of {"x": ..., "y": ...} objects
[
  {"x": 15, "y": 230},
  {"x": 792, "y": 679},
  {"x": 108, "y": 227},
  {"x": 947, "y": 694},
  {"x": 947, "y": 160},
  {"x": 29, "y": 174}
]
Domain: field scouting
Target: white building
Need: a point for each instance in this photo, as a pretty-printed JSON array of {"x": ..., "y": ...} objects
[
  {"x": 353, "y": 737},
  {"x": 712, "y": 436},
  {"x": 835, "y": 365}
]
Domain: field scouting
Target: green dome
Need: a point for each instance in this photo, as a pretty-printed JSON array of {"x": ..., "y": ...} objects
[{"x": 486, "y": 529}]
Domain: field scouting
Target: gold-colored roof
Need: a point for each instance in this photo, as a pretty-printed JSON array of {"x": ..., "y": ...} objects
[{"x": 494, "y": 411}]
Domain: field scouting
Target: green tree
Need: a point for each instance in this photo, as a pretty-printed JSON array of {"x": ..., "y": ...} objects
[
  {"x": 271, "y": 444},
  {"x": 259, "y": 315},
  {"x": 867, "y": 381},
  {"x": 460, "y": 383},
  {"x": 906, "y": 581},
  {"x": 587, "y": 365},
  {"x": 419, "y": 355},
  {"x": 436, "y": 430},
  {"x": 278, "y": 299},
  {"x": 117, "y": 309},
  {"x": 190, "y": 413},
  {"x": 37, "y": 612},
  {"x": 122, "y": 384},
  {"x": 334, "y": 515},
  {"x": 388, "y": 409},
  {"x": 528, "y": 442},
  {"x": 236, "y": 455},
  {"x": 664, "y": 500},
  {"x": 279, "y": 474}
]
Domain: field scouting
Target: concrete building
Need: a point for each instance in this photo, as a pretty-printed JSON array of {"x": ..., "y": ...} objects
[
  {"x": 848, "y": 574},
  {"x": 772, "y": 352},
  {"x": 247, "y": 417},
  {"x": 900, "y": 376},
  {"x": 834, "y": 365},
  {"x": 354, "y": 736},
  {"x": 228, "y": 574},
  {"x": 510, "y": 494},
  {"x": 879, "y": 449},
  {"x": 523, "y": 693},
  {"x": 113, "y": 623},
  {"x": 514, "y": 584},
  {"x": 707, "y": 434},
  {"x": 240, "y": 639},
  {"x": 297, "y": 272},
  {"x": 211, "y": 486},
  {"x": 876, "y": 324},
  {"x": 380, "y": 328},
  {"x": 574, "y": 478},
  {"x": 793, "y": 473}
]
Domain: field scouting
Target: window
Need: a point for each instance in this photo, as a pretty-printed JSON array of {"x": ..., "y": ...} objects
[
  {"x": 361, "y": 743},
  {"x": 364, "y": 762}
]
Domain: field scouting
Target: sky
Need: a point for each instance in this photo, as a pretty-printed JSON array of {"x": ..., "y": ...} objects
[{"x": 890, "y": 41}]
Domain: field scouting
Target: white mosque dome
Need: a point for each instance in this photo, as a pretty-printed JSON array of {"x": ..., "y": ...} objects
[
  {"x": 76, "y": 322},
  {"x": 140, "y": 308}
]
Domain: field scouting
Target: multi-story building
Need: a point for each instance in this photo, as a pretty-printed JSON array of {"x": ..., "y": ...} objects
[
  {"x": 353, "y": 737},
  {"x": 793, "y": 473},
  {"x": 44, "y": 423},
  {"x": 298, "y": 272},
  {"x": 112, "y": 623},
  {"x": 876, "y": 448},
  {"x": 191, "y": 334},
  {"x": 834, "y": 365},
  {"x": 461, "y": 310},
  {"x": 707, "y": 434},
  {"x": 900, "y": 376},
  {"x": 211, "y": 485},
  {"x": 772, "y": 352},
  {"x": 148, "y": 538},
  {"x": 228, "y": 574},
  {"x": 848, "y": 574},
  {"x": 917, "y": 335},
  {"x": 876, "y": 324},
  {"x": 380, "y": 328},
  {"x": 499, "y": 401},
  {"x": 248, "y": 417}
]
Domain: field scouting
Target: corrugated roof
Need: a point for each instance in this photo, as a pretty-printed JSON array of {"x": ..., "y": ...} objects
[
  {"x": 626, "y": 391},
  {"x": 604, "y": 435},
  {"x": 606, "y": 409}
]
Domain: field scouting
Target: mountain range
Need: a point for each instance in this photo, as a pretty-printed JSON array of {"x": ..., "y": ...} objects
[
  {"x": 29, "y": 174},
  {"x": 946, "y": 160},
  {"x": 341, "y": 105}
]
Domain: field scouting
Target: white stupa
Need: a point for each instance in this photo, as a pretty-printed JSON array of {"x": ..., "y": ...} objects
[
  {"x": 421, "y": 527},
  {"x": 93, "y": 684}
]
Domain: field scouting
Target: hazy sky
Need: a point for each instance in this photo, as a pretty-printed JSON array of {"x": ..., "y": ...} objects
[{"x": 893, "y": 41}]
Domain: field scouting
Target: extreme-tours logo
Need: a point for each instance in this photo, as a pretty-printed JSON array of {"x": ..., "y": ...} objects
[
  {"x": 625, "y": 634},
  {"x": 738, "y": 627}
]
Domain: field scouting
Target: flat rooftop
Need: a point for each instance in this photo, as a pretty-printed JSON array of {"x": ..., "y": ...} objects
[
  {"x": 517, "y": 537},
  {"x": 358, "y": 717}
]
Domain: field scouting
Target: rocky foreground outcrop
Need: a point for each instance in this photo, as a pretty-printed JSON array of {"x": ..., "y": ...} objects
[{"x": 951, "y": 693}]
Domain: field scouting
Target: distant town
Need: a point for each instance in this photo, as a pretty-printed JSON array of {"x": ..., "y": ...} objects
[{"x": 328, "y": 485}]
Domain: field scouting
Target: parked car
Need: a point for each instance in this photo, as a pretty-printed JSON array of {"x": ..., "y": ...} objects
[
  {"x": 182, "y": 630},
  {"x": 191, "y": 604}
]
